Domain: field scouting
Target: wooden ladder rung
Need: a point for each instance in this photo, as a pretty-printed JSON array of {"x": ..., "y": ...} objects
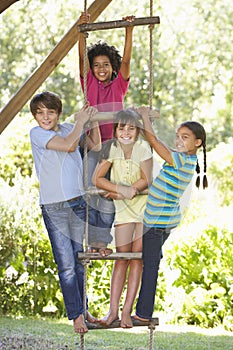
[
  {"x": 109, "y": 116},
  {"x": 89, "y": 27},
  {"x": 113, "y": 256},
  {"x": 117, "y": 324}
]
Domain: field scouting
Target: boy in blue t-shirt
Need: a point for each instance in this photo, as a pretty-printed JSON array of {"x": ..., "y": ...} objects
[{"x": 60, "y": 173}]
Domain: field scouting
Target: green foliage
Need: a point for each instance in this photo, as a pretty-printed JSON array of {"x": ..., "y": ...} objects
[
  {"x": 221, "y": 169},
  {"x": 98, "y": 280},
  {"x": 16, "y": 154},
  {"x": 28, "y": 277},
  {"x": 203, "y": 267}
]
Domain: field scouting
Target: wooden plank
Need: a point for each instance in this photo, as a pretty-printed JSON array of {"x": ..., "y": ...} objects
[
  {"x": 107, "y": 116},
  {"x": 4, "y": 4},
  {"x": 113, "y": 256},
  {"x": 88, "y": 27},
  {"x": 47, "y": 66},
  {"x": 117, "y": 324}
]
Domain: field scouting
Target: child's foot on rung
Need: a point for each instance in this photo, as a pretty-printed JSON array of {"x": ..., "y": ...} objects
[
  {"x": 109, "y": 319},
  {"x": 90, "y": 318},
  {"x": 126, "y": 320},
  {"x": 137, "y": 318},
  {"x": 105, "y": 251}
]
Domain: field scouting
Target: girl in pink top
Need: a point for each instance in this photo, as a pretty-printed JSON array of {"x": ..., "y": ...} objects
[{"x": 108, "y": 77}]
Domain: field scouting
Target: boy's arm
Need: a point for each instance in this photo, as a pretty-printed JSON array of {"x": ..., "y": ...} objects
[
  {"x": 125, "y": 64},
  {"x": 163, "y": 150},
  {"x": 70, "y": 142},
  {"x": 94, "y": 137},
  {"x": 84, "y": 18}
]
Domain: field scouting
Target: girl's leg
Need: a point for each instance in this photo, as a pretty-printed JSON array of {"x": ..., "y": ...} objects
[
  {"x": 153, "y": 240},
  {"x": 123, "y": 238},
  {"x": 134, "y": 278}
]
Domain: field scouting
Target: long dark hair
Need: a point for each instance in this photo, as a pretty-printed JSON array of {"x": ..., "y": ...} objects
[{"x": 200, "y": 133}]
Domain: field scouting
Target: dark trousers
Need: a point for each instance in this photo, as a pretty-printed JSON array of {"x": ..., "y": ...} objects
[{"x": 153, "y": 240}]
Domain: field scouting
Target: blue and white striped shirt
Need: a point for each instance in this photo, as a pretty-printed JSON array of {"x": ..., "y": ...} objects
[{"x": 162, "y": 207}]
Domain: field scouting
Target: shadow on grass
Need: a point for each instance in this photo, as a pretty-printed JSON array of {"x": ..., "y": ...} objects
[{"x": 44, "y": 334}]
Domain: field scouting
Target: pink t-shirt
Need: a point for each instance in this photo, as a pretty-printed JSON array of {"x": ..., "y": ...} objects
[{"x": 106, "y": 98}]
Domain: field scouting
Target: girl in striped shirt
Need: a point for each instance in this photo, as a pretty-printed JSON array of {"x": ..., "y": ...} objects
[{"x": 162, "y": 212}]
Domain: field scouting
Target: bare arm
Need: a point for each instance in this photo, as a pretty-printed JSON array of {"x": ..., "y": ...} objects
[
  {"x": 99, "y": 179},
  {"x": 115, "y": 191},
  {"x": 125, "y": 64},
  {"x": 94, "y": 137},
  {"x": 70, "y": 142},
  {"x": 84, "y": 18},
  {"x": 146, "y": 175},
  {"x": 163, "y": 150}
]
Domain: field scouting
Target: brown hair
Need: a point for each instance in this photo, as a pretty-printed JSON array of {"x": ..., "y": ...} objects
[
  {"x": 46, "y": 99},
  {"x": 123, "y": 117},
  {"x": 200, "y": 133},
  {"x": 127, "y": 116}
]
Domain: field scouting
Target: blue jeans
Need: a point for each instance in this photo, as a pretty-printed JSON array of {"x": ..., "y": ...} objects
[
  {"x": 101, "y": 211},
  {"x": 65, "y": 223},
  {"x": 101, "y": 214},
  {"x": 153, "y": 240}
]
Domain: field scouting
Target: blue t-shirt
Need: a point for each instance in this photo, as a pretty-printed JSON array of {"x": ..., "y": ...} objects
[
  {"x": 163, "y": 207},
  {"x": 60, "y": 174}
]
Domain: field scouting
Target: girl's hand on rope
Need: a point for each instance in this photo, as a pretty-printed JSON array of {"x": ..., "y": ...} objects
[{"x": 84, "y": 18}]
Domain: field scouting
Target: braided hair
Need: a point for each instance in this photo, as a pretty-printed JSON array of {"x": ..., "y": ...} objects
[{"x": 199, "y": 131}]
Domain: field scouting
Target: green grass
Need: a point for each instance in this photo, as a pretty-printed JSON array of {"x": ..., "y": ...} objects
[{"x": 45, "y": 334}]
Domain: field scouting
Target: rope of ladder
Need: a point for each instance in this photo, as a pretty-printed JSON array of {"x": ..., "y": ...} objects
[
  {"x": 85, "y": 262},
  {"x": 151, "y": 56},
  {"x": 85, "y": 165}
]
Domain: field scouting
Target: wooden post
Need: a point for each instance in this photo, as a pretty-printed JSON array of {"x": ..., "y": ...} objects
[
  {"x": 4, "y": 4},
  {"x": 44, "y": 70},
  {"x": 88, "y": 27}
]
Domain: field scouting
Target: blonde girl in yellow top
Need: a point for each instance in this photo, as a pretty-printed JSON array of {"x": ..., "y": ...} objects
[{"x": 130, "y": 160}]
